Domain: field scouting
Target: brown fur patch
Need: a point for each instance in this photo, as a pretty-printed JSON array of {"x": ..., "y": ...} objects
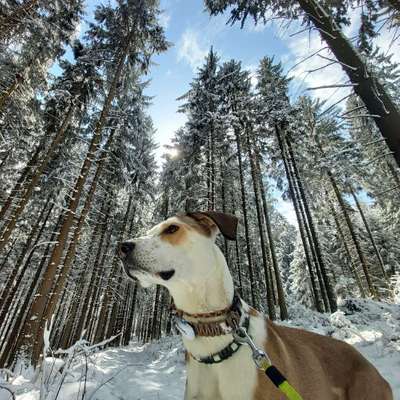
[
  {"x": 176, "y": 238},
  {"x": 203, "y": 226},
  {"x": 253, "y": 312},
  {"x": 318, "y": 367}
]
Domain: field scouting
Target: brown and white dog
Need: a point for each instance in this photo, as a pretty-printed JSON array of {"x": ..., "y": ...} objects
[{"x": 180, "y": 254}]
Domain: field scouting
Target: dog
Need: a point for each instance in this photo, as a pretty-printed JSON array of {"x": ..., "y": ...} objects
[{"x": 181, "y": 254}]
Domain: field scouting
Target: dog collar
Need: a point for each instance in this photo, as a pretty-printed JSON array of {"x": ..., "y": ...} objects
[
  {"x": 191, "y": 329},
  {"x": 235, "y": 318},
  {"x": 227, "y": 351}
]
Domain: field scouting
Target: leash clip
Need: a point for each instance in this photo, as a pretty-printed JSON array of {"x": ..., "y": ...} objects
[{"x": 260, "y": 358}]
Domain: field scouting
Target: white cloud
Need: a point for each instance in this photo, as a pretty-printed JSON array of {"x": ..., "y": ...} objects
[
  {"x": 308, "y": 56},
  {"x": 191, "y": 49},
  {"x": 164, "y": 19}
]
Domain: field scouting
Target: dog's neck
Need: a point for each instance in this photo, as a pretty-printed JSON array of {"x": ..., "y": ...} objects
[{"x": 213, "y": 293}]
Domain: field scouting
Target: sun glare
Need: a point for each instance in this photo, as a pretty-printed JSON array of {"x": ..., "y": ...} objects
[{"x": 172, "y": 152}]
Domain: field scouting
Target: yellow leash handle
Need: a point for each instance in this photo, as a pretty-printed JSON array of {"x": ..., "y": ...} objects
[{"x": 278, "y": 380}]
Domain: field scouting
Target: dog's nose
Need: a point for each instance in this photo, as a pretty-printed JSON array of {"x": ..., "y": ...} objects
[{"x": 125, "y": 248}]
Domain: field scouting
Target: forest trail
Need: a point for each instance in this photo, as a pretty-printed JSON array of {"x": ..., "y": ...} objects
[{"x": 156, "y": 371}]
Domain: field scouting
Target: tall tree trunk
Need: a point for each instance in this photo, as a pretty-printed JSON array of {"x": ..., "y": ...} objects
[
  {"x": 19, "y": 184},
  {"x": 370, "y": 235},
  {"x": 328, "y": 287},
  {"x": 212, "y": 159},
  {"x": 81, "y": 300},
  {"x": 129, "y": 324},
  {"x": 379, "y": 104},
  {"x": 353, "y": 235},
  {"x": 300, "y": 220},
  {"x": 29, "y": 187},
  {"x": 18, "y": 273},
  {"x": 245, "y": 220},
  {"x": 88, "y": 307},
  {"x": 34, "y": 323},
  {"x": 265, "y": 256},
  {"x": 76, "y": 236},
  {"x": 271, "y": 242},
  {"x": 346, "y": 247},
  {"x": 105, "y": 304},
  {"x": 10, "y": 353}
]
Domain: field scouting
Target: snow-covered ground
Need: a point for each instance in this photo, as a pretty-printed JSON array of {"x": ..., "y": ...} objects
[{"x": 156, "y": 371}]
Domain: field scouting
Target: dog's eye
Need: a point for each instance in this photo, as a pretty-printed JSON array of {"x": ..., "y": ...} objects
[{"x": 171, "y": 229}]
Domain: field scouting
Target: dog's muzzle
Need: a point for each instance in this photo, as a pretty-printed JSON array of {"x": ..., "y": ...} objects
[{"x": 125, "y": 253}]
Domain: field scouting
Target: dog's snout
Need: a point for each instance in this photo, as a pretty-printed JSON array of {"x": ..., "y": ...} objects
[{"x": 125, "y": 249}]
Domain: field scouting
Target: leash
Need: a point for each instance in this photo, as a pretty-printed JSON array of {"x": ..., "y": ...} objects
[{"x": 263, "y": 362}]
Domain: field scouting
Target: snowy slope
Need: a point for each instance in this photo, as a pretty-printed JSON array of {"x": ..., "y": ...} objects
[{"x": 156, "y": 371}]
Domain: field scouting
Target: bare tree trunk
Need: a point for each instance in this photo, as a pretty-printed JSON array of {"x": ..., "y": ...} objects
[
  {"x": 301, "y": 221},
  {"x": 271, "y": 242},
  {"x": 353, "y": 235},
  {"x": 346, "y": 247},
  {"x": 246, "y": 224},
  {"x": 100, "y": 330},
  {"x": 328, "y": 287},
  {"x": 129, "y": 324},
  {"x": 55, "y": 294},
  {"x": 18, "y": 273},
  {"x": 370, "y": 235},
  {"x": 19, "y": 185},
  {"x": 35, "y": 324},
  {"x": 10, "y": 352},
  {"x": 29, "y": 187},
  {"x": 265, "y": 256}
]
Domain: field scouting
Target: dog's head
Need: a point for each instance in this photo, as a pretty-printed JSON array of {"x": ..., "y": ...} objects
[{"x": 179, "y": 250}]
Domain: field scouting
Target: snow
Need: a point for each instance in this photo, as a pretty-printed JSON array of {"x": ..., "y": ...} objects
[{"x": 156, "y": 371}]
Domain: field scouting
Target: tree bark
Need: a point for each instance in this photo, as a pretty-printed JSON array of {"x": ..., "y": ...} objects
[
  {"x": 301, "y": 221},
  {"x": 328, "y": 287},
  {"x": 34, "y": 323},
  {"x": 18, "y": 273},
  {"x": 347, "y": 250},
  {"x": 350, "y": 227},
  {"x": 19, "y": 185},
  {"x": 29, "y": 188},
  {"x": 245, "y": 219},
  {"x": 100, "y": 330},
  {"x": 265, "y": 256},
  {"x": 11, "y": 351},
  {"x": 370, "y": 235},
  {"x": 271, "y": 242}
]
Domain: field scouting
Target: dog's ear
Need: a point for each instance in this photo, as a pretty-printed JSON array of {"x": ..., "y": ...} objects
[{"x": 226, "y": 223}]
